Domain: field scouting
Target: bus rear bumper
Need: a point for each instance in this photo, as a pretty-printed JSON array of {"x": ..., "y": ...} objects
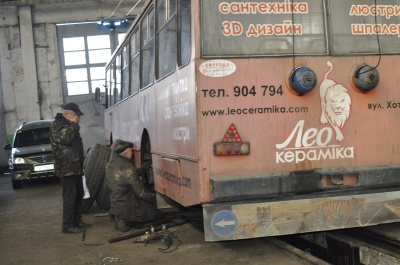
[{"x": 233, "y": 221}]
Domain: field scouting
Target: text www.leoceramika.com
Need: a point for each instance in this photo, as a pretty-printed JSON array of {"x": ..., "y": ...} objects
[{"x": 251, "y": 111}]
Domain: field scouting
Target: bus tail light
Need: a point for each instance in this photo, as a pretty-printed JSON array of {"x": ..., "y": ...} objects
[{"x": 231, "y": 144}]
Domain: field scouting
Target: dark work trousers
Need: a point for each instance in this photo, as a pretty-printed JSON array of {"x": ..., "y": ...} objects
[{"x": 72, "y": 200}]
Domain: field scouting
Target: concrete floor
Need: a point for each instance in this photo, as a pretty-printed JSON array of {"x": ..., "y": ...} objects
[{"x": 30, "y": 233}]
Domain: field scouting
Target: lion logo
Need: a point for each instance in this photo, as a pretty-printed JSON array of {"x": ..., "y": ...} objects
[{"x": 335, "y": 104}]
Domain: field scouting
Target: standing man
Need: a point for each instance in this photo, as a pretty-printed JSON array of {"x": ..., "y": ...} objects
[
  {"x": 131, "y": 202},
  {"x": 67, "y": 146}
]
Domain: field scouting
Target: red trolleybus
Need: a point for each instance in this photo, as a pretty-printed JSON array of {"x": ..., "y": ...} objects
[{"x": 277, "y": 117}]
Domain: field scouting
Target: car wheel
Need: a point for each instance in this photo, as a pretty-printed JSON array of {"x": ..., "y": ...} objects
[{"x": 94, "y": 169}]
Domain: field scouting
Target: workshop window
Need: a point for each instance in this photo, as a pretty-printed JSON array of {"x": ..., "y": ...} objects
[
  {"x": 84, "y": 51},
  {"x": 77, "y": 81},
  {"x": 83, "y": 57},
  {"x": 74, "y": 51}
]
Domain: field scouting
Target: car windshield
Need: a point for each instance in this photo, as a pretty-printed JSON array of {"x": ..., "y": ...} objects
[{"x": 32, "y": 137}]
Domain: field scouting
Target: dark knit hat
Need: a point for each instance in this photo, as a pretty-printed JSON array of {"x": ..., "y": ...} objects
[
  {"x": 73, "y": 107},
  {"x": 122, "y": 146}
]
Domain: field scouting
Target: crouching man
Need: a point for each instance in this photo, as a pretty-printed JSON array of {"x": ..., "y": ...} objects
[{"x": 130, "y": 201}]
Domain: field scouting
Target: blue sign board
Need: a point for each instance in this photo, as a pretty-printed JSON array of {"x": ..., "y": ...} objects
[{"x": 223, "y": 223}]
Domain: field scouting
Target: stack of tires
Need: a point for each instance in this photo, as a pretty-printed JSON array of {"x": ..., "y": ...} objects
[{"x": 94, "y": 169}]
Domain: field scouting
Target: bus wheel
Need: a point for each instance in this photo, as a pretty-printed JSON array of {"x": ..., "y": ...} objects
[
  {"x": 103, "y": 199},
  {"x": 148, "y": 175},
  {"x": 148, "y": 178},
  {"x": 95, "y": 165}
]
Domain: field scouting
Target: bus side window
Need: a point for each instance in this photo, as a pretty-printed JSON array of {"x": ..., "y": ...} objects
[
  {"x": 125, "y": 71},
  {"x": 167, "y": 37},
  {"x": 147, "y": 49},
  {"x": 108, "y": 84},
  {"x": 184, "y": 32},
  {"x": 112, "y": 85},
  {"x": 135, "y": 62},
  {"x": 118, "y": 75}
]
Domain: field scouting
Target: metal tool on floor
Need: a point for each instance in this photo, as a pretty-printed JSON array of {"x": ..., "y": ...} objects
[
  {"x": 101, "y": 215},
  {"x": 88, "y": 245},
  {"x": 148, "y": 230},
  {"x": 83, "y": 234},
  {"x": 149, "y": 236},
  {"x": 108, "y": 260},
  {"x": 92, "y": 245}
]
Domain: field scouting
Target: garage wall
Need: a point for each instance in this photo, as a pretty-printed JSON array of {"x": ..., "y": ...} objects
[
  {"x": 30, "y": 77},
  {"x": 3, "y": 134},
  {"x": 10, "y": 63}
]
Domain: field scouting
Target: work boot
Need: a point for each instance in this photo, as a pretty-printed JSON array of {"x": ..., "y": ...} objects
[
  {"x": 115, "y": 223},
  {"x": 72, "y": 230},
  {"x": 83, "y": 225},
  {"x": 122, "y": 225}
]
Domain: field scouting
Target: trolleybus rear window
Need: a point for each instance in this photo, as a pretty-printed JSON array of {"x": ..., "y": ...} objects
[
  {"x": 241, "y": 28},
  {"x": 269, "y": 28},
  {"x": 354, "y": 26}
]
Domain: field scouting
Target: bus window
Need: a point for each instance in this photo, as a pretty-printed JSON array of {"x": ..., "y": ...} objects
[
  {"x": 125, "y": 71},
  {"x": 235, "y": 33},
  {"x": 147, "y": 48},
  {"x": 118, "y": 74},
  {"x": 112, "y": 84},
  {"x": 108, "y": 85},
  {"x": 362, "y": 23},
  {"x": 166, "y": 31},
  {"x": 184, "y": 32},
  {"x": 135, "y": 62}
]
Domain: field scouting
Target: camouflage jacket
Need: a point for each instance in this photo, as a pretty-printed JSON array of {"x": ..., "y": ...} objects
[
  {"x": 67, "y": 146},
  {"x": 130, "y": 201}
]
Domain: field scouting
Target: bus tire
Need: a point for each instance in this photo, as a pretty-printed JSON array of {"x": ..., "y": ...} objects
[
  {"x": 94, "y": 168},
  {"x": 103, "y": 199}
]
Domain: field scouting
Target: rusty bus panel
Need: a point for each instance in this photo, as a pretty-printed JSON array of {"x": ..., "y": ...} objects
[
  {"x": 249, "y": 220},
  {"x": 177, "y": 180},
  {"x": 192, "y": 187},
  {"x": 171, "y": 179},
  {"x": 283, "y": 140}
]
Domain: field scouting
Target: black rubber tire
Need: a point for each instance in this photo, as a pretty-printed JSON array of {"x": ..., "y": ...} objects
[
  {"x": 103, "y": 199},
  {"x": 94, "y": 168}
]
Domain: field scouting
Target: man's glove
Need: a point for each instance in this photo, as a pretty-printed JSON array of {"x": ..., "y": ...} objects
[{"x": 142, "y": 170}]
